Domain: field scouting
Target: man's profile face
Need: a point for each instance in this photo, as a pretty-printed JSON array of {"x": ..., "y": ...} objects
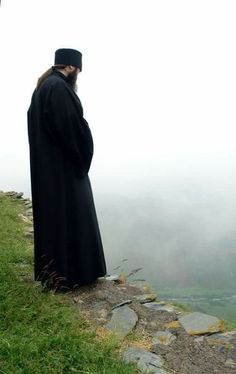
[{"x": 72, "y": 78}]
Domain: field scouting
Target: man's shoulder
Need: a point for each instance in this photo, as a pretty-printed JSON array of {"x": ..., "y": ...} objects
[{"x": 53, "y": 81}]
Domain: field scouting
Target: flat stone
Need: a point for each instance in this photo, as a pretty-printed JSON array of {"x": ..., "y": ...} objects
[
  {"x": 163, "y": 337},
  {"x": 147, "y": 297},
  {"x": 122, "y": 321},
  {"x": 18, "y": 195},
  {"x": 129, "y": 301},
  {"x": 117, "y": 278},
  {"x": 221, "y": 338},
  {"x": 112, "y": 277},
  {"x": 225, "y": 342},
  {"x": 160, "y": 306},
  {"x": 230, "y": 363},
  {"x": 200, "y": 323},
  {"x": 147, "y": 362}
]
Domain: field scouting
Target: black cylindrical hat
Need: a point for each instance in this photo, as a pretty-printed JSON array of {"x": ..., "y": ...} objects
[{"x": 68, "y": 56}]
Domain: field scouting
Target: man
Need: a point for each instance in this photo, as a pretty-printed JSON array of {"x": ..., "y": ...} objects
[{"x": 68, "y": 249}]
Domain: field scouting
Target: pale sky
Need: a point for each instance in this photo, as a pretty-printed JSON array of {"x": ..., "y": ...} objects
[{"x": 158, "y": 85}]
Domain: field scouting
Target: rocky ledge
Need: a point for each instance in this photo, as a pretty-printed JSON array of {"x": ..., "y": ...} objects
[{"x": 161, "y": 338}]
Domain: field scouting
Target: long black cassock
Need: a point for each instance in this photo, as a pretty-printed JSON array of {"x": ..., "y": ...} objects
[{"x": 67, "y": 242}]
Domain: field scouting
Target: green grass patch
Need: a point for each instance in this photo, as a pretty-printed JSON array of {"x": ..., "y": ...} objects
[{"x": 42, "y": 332}]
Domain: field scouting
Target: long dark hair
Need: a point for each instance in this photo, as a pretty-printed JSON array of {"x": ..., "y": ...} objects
[{"x": 47, "y": 73}]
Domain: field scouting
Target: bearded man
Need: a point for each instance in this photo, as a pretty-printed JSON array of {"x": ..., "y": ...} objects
[{"x": 68, "y": 250}]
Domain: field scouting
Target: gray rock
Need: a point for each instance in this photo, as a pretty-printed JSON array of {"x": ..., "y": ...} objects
[
  {"x": 10, "y": 193},
  {"x": 147, "y": 297},
  {"x": 230, "y": 363},
  {"x": 225, "y": 342},
  {"x": 224, "y": 338},
  {"x": 122, "y": 303},
  {"x": 160, "y": 306},
  {"x": 122, "y": 321},
  {"x": 18, "y": 195},
  {"x": 163, "y": 337},
  {"x": 147, "y": 362},
  {"x": 112, "y": 277},
  {"x": 200, "y": 323}
]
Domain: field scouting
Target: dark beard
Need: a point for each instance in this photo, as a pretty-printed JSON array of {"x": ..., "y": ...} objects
[{"x": 71, "y": 80}]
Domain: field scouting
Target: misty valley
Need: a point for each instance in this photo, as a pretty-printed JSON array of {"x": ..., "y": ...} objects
[{"x": 182, "y": 238}]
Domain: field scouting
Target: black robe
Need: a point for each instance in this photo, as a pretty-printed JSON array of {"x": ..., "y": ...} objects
[{"x": 68, "y": 248}]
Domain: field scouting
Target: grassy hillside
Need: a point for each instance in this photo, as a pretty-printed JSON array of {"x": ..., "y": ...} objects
[{"x": 42, "y": 332}]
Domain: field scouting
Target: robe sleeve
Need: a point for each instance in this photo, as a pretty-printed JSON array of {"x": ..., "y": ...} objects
[{"x": 68, "y": 127}]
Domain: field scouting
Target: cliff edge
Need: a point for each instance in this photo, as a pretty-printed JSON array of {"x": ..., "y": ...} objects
[{"x": 160, "y": 337}]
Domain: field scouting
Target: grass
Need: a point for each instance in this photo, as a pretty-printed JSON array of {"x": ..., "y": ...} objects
[{"x": 42, "y": 332}]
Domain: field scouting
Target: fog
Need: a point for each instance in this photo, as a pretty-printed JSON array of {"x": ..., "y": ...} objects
[
  {"x": 174, "y": 229},
  {"x": 158, "y": 91},
  {"x": 180, "y": 228}
]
